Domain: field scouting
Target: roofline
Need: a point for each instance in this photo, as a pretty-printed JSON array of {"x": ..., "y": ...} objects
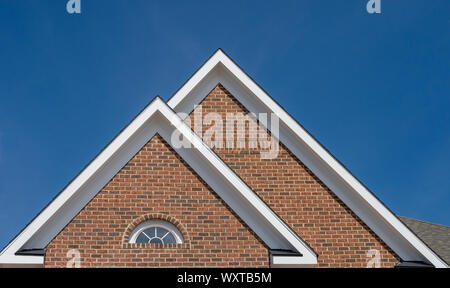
[
  {"x": 84, "y": 168},
  {"x": 414, "y": 232},
  {"x": 425, "y": 222},
  {"x": 328, "y": 158},
  {"x": 156, "y": 105}
]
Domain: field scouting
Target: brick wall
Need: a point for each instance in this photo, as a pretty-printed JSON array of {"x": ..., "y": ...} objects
[
  {"x": 339, "y": 237},
  {"x": 157, "y": 184}
]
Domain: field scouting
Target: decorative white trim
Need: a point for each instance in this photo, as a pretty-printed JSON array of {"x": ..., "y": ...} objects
[
  {"x": 221, "y": 69},
  {"x": 157, "y": 117},
  {"x": 288, "y": 262},
  {"x": 258, "y": 216},
  {"x": 21, "y": 261}
]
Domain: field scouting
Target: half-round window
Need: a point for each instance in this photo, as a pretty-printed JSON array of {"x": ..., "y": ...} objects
[{"x": 157, "y": 232}]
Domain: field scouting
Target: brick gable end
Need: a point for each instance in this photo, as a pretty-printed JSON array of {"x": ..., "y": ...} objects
[
  {"x": 339, "y": 237},
  {"x": 157, "y": 183}
]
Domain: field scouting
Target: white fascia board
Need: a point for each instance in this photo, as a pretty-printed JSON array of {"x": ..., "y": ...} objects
[
  {"x": 21, "y": 261},
  {"x": 196, "y": 78},
  {"x": 291, "y": 262},
  {"x": 47, "y": 217},
  {"x": 220, "y": 58}
]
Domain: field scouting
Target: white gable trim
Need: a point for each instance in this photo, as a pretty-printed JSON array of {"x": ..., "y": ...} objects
[
  {"x": 14, "y": 261},
  {"x": 157, "y": 117},
  {"x": 221, "y": 69}
]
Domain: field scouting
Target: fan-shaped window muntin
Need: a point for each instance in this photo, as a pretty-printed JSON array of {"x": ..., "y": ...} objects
[{"x": 156, "y": 232}]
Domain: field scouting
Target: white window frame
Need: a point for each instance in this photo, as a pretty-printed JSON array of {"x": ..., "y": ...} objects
[{"x": 156, "y": 223}]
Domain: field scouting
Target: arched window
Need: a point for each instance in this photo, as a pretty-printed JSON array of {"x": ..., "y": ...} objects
[{"x": 157, "y": 232}]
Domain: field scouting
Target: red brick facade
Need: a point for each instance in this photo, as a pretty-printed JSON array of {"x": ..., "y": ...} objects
[
  {"x": 299, "y": 198},
  {"x": 158, "y": 184}
]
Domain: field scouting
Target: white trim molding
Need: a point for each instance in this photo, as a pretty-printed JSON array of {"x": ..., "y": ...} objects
[
  {"x": 220, "y": 68},
  {"x": 156, "y": 118},
  {"x": 161, "y": 118},
  {"x": 15, "y": 261}
]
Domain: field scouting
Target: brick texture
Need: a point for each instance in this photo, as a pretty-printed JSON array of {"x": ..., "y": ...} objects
[
  {"x": 157, "y": 184},
  {"x": 337, "y": 235}
]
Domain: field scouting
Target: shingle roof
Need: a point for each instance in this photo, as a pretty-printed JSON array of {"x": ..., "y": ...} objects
[{"x": 436, "y": 236}]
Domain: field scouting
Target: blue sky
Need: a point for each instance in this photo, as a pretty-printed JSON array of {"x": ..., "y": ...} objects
[{"x": 373, "y": 89}]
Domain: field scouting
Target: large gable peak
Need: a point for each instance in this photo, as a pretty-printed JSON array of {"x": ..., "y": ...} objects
[
  {"x": 221, "y": 69},
  {"x": 157, "y": 118}
]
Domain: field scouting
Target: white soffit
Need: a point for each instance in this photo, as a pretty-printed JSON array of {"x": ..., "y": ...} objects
[
  {"x": 219, "y": 68},
  {"x": 156, "y": 118}
]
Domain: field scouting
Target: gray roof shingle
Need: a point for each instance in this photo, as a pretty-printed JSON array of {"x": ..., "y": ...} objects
[{"x": 436, "y": 236}]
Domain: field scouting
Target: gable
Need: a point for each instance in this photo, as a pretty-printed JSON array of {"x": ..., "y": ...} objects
[
  {"x": 297, "y": 195},
  {"x": 436, "y": 236},
  {"x": 157, "y": 181},
  {"x": 160, "y": 118},
  {"x": 157, "y": 118},
  {"x": 219, "y": 68}
]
